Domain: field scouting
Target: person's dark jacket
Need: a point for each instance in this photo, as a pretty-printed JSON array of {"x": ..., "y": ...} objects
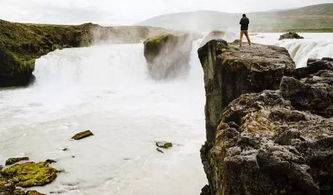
[{"x": 244, "y": 22}]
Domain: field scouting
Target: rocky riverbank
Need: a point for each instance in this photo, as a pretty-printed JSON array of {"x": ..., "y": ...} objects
[
  {"x": 269, "y": 126},
  {"x": 21, "y": 44}
]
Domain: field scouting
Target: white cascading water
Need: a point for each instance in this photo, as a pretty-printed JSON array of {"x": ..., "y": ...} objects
[
  {"x": 314, "y": 45},
  {"x": 106, "y": 88}
]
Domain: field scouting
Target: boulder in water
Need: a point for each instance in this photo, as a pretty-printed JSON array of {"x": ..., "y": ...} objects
[
  {"x": 290, "y": 35},
  {"x": 82, "y": 135},
  {"x": 168, "y": 55}
]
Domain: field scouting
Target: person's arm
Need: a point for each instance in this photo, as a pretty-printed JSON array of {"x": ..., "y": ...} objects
[{"x": 241, "y": 21}]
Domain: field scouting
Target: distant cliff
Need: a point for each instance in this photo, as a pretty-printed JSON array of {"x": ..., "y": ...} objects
[
  {"x": 269, "y": 126},
  {"x": 21, "y": 44}
]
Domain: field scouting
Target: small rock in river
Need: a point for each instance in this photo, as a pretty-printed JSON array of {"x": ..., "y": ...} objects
[
  {"x": 82, "y": 135},
  {"x": 164, "y": 145},
  {"x": 64, "y": 149}
]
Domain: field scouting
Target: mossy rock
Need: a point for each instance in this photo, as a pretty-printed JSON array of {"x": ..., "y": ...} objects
[
  {"x": 30, "y": 174},
  {"x": 168, "y": 55},
  {"x": 12, "y": 161},
  {"x": 21, "y": 44},
  {"x": 19, "y": 191},
  {"x": 154, "y": 45}
]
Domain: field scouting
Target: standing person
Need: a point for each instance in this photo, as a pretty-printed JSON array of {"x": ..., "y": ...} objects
[{"x": 244, "y": 22}]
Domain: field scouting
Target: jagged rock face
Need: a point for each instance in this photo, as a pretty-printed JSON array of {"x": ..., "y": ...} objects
[
  {"x": 230, "y": 72},
  {"x": 168, "y": 55},
  {"x": 290, "y": 35},
  {"x": 312, "y": 87},
  {"x": 274, "y": 141},
  {"x": 265, "y": 146}
]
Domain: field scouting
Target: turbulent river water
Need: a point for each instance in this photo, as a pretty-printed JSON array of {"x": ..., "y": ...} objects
[{"x": 106, "y": 88}]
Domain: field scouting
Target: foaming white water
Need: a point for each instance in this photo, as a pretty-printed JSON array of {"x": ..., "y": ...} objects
[
  {"x": 107, "y": 89},
  {"x": 314, "y": 45}
]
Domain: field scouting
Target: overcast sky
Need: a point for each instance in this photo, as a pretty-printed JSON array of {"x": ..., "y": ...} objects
[{"x": 128, "y": 11}]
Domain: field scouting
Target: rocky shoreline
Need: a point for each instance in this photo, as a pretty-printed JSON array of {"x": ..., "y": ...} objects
[{"x": 269, "y": 126}]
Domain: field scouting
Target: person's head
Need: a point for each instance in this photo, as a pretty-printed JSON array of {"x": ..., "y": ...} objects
[{"x": 244, "y": 15}]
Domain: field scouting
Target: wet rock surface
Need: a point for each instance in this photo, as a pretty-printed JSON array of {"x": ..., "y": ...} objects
[
  {"x": 168, "y": 55},
  {"x": 290, "y": 35},
  {"x": 275, "y": 141}
]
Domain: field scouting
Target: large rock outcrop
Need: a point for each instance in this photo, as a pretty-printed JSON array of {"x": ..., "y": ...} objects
[
  {"x": 230, "y": 72},
  {"x": 168, "y": 55},
  {"x": 272, "y": 141},
  {"x": 21, "y": 44}
]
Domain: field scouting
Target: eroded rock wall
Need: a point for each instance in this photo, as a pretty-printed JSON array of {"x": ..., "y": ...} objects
[
  {"x": 231, "y": 71},
  {"x": 269, "y": 126}
]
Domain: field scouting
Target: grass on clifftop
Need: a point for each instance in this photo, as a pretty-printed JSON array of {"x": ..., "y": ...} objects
[{"x": 23, "y": 43}]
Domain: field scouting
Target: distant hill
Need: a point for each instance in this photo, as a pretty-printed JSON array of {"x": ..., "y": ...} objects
[{"x": 315, "y": 18}]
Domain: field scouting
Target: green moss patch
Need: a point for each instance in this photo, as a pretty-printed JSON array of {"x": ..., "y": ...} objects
[{"x": 30, "y": 174}]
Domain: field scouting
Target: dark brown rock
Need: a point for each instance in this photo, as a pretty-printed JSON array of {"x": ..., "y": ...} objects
[
  {"x": 314, "y": 93},
  {"x": 313, "y": 66},
  {"x": 82, "y": 135},
  {"x": 12, "y": 161},
  {"x": 290, "y": 35}
]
